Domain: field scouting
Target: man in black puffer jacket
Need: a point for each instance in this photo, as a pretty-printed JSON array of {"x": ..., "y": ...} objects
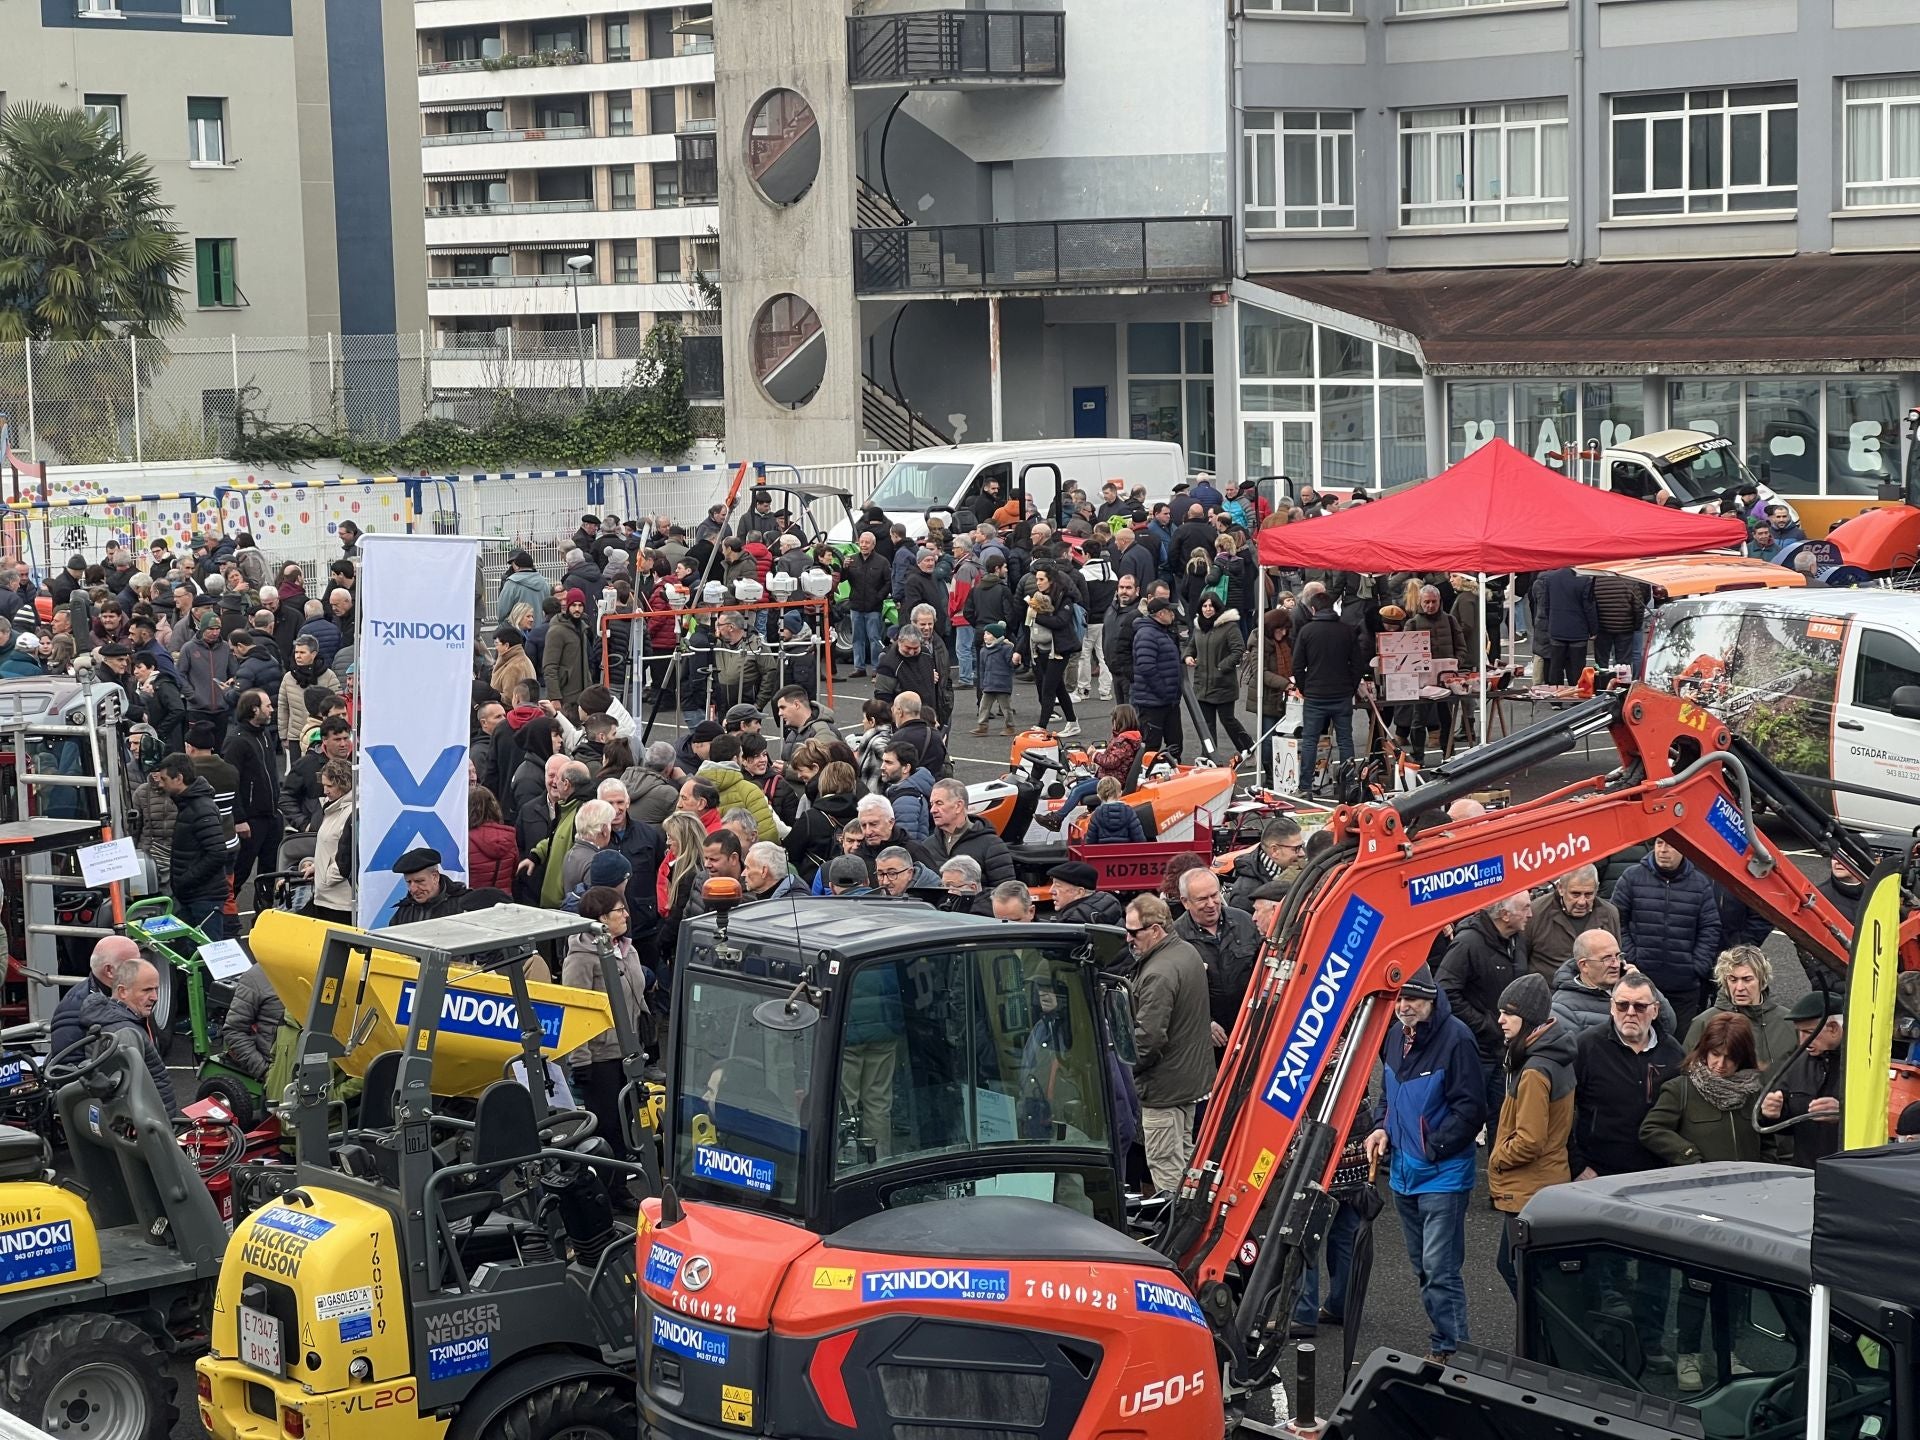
[
  {"x": 1116, "y": 636},
  {"x": 1481, "y": 962},
  {"x": 1077, "y": 901},
  {"x": 1670, "y": 927},
  {"x": 199, "y": 846}
]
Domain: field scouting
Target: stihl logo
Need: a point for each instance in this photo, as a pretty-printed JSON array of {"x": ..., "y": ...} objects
[{"x": 1564, "y": 851}]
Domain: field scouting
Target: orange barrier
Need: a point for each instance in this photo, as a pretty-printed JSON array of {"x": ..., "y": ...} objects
[{"x": 640, "y": 618}]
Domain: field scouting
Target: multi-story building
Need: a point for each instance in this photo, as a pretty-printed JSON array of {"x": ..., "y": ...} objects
[
  {"x": 1566, "y": 221},
  {"x": 282, "y": 134},
  {"x": 971, "y": 223},
  {"x": 569, "y": 153}
]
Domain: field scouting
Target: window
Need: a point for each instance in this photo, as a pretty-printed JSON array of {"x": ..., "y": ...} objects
[
  {"x": 619, "y": 42},
  {"x": 742, "y": 1084},
  {"x": 1604, "y": 1312},
  {"x": 622, "y": 187},
  {"x": 666, "y": 187},
  {"x": 559, "y": 40},
  {"x": 626, "y": 262},
  {"x": 1415, "y": 7},
  {"x": 1800, "y": 434},
  {"x": 1321, "y": 406},
  {"x": 662, "y": 118},
  {"x": 962, "y": 1051},
  {"x": 1301, "y": 7},
  {"x": 1705, "y": 152},
  {"x": 213, "y": 269},
  {"x": 206, "y": 132},
  {"x": 565, "y": 112},
  {"x": 99, "y": 7},
  {"x": 198, "y": 10},
  {"x": 1541, "y": 418},
  {"x": 1484, "y": 164},
  {"x": 1170, "y": 386},
  {"x": 1299, "y": 169},
  {"x": 620, "y": 112},
  {"x": 1883, "y": 141},
  {"x": 1887, "y": 663},
  {"x": 107, "y": 109},
  {"x": 666, "y": 261}
]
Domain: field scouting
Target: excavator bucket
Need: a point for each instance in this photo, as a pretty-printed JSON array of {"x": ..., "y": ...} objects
[{"x": 479, "y": 1032}]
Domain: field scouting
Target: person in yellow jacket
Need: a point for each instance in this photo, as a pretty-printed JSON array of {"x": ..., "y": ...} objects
[
  {"x": 737, "y": 788},
  {"x": 1530, "y": 1145}
]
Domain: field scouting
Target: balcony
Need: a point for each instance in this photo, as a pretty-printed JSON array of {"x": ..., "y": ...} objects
[
  {"x": 568, "y": 222},
  {"x": 958, "y": 49},
  {"x": 510, "y": 207},
  {"x": 493, "y": 64},
  {"x": 491, "y": 137},
  {"x": 1043, "y": 257}
]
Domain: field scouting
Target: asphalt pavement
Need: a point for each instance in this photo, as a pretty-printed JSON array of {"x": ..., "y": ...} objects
[{"x": 1394, "y": 1317}]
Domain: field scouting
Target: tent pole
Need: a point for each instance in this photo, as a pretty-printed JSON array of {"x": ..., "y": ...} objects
[
  {"x": 1260, "y": 656},
  {"x": 1512, "y": 646},
  {"x": 1819, "y": 1342},
  {"x": 1482, "y": 658}
]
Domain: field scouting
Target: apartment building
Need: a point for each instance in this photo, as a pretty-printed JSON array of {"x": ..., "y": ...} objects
[
  {"x": 281, "y": 134},
  {"x": 965, "y": 223},
  {"x": 1563, "y": 222},
  {"x": 569, "y": 152}
]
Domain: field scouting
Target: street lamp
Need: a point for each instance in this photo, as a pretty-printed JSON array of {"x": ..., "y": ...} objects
[{"x": 576, "y": 266}]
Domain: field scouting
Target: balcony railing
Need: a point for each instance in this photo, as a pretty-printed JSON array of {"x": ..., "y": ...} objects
[
  {"x": 527, "y": 60},
  {"x": 483, "y": 137},
  {"x": 506, "y": 207},
  {"x": 495, "y": 282},
  {"x": 1043, "y": 255},
  {"x": 697, "y": 125},
  {"x": 948, "y": 46}
]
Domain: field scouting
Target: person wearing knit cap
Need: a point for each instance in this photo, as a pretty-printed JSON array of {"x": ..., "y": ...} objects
[
  {"x": 1435, "y": 1104},
  {"x": 1530, "y": 1143}
]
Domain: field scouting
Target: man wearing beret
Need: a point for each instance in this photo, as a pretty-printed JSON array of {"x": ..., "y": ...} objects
[
  {"x": 429, "y": 893},
  {"x": 1813, "y": 1084},
  {"x": 1078, "y": 900}
]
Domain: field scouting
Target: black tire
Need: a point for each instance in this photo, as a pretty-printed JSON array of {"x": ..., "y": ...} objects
[
  {"x": 94, "y": 1376},
  {"x": 232, "y": 1094},
  {"x": 171, "y": 1004},
  {"x": 585, "y": 1409}
]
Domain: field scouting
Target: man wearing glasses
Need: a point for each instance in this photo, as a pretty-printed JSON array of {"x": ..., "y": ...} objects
[
  {"x": 1583, "y": 987},
  {"x": 1618, "y": 1069}
]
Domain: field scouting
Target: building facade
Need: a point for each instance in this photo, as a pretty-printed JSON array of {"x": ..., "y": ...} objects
[
  {"x": 947, "y": 224},
  {"x": 569, "y": 154},
  {"x": 1567, "y": 221},
  {"x": 282, "y": 135}
]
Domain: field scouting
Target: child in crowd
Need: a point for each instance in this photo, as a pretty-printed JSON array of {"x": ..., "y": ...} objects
[
  {"x": 993, "y": 674},
  {"x": 1113, "y": 822}
]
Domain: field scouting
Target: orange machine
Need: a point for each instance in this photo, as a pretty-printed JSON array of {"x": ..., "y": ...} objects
[{"x": 894, "y": 1204}]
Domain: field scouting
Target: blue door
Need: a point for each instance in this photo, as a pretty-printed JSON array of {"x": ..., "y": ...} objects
[{"x": 1090, "y": 412}]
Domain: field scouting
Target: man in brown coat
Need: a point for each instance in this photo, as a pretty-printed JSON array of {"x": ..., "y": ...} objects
[
  {"x": 1172, "y": 1034},
  {"x": 1570, "y": 908},
  {"x": 511, "y": 663}
]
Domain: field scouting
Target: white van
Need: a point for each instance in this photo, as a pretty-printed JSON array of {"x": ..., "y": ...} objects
[
  {"x": 950, "y": 478},
  {"x": 1826, "y": 683}
]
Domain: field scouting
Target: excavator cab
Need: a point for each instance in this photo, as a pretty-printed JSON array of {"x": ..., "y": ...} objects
[{"x": 835, "y": 1058}]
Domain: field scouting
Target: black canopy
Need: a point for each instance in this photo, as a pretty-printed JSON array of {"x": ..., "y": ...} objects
[{"x": 1863, "y": 1203}]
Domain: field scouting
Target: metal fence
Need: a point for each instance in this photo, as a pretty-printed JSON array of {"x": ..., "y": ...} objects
[
  {"x": 145, "y": 401},
  {"x": 935, "y": 45},
  {"x": 1042, "y": 255}
]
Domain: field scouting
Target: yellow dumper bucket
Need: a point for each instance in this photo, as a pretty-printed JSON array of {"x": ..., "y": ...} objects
[{"x": 479, "y": 1027}]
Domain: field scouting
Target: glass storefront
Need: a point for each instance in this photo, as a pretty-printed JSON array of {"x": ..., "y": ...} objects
[
  {"x": 1541, "y": 418},
  {"x": 1327, "y": 408},
  {"x": 1170, "y": 386},
  {"x": 1801, "y": 434}
]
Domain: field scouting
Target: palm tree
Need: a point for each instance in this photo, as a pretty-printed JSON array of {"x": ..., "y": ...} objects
[{"x": 87, "y": 248}]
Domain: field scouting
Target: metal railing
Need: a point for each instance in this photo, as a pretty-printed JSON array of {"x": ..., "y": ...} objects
[
  {"x": 698, "y": 125},
  {"x": 509, "y": 207},
  {"x": 483, "y": 137},
  {"x": 494, "y": 282},
  {"x": 516, "y": 60},
  {"x": 928, "y": 47},
  {"x": 1042, "y": 255}
]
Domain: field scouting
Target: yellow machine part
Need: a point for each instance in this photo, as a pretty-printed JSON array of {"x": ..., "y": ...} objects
[
  {"x": 478, "y": 1034},
  {"x": 46, "y": 1238},
  {"x": 338, "y": 1257}
]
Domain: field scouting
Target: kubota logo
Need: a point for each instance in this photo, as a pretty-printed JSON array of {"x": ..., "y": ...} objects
[{"x": 1552, "y": 853}]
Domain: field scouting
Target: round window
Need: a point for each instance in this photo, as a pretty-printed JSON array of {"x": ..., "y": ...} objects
[
  {"x": 783, "y": 147},
  {"x": 789, "y": 351}
]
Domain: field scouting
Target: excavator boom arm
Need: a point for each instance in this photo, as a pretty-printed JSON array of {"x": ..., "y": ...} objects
[{"x": 1363, "y": 918}]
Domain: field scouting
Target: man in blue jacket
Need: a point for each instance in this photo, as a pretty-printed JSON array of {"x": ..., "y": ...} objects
[
  {"x": 1564, "y": 620},
  {"x": 1435, "y": 1105},
  {"x": 1157, "y": 670},
  {"x": 1670, "y": 927}
]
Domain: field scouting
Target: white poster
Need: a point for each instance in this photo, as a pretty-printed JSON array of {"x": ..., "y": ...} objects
[{"x": 416, "y": 678}]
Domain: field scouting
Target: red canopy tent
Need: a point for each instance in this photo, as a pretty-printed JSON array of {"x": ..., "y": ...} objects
[{"x": 1497, "y": 512}]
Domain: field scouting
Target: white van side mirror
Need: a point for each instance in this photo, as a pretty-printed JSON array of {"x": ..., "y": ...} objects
[{"x": 1906, "y": 702}]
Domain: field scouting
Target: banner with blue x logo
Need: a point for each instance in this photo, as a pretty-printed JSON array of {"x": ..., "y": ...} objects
[{"x": 416, "y": 678}]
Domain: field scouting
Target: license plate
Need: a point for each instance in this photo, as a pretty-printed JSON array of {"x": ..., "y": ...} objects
[{"x": 260, "y": 1340}]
